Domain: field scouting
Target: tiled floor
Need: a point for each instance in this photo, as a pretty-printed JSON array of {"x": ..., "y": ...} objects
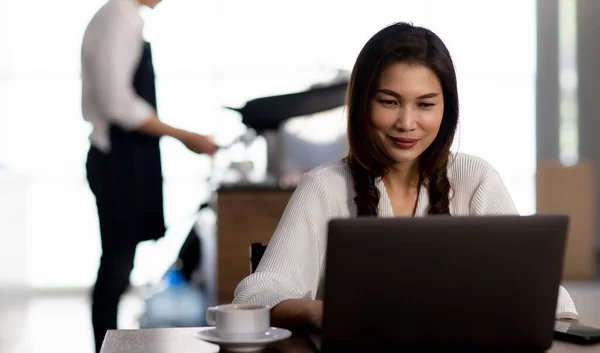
[{"x": 61, "y": 323}]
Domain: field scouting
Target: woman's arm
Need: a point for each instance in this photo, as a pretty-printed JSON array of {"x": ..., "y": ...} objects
[{"x": 288, "y": 276}]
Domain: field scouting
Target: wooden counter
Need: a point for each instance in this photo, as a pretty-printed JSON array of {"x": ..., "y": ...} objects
[{"x": 245, "y": 214}]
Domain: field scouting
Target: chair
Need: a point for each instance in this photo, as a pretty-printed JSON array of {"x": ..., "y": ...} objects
[{"x": 256, "y": 252}]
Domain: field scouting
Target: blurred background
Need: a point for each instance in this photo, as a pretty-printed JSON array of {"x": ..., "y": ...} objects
[{"x": 527, "y": 72}]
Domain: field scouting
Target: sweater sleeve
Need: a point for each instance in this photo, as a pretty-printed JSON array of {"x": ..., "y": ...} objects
[
  {"x": 291, "y": 265},
  {"x": 492, "y": 198}
]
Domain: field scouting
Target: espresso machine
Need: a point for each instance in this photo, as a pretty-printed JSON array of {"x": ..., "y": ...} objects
[{"x": 265, "y": 115}]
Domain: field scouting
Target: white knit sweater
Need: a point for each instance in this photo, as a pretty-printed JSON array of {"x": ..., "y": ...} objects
[{"x": 293, "y": 264}]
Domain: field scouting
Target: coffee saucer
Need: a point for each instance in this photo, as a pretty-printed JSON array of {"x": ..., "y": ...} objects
[{"x": 245, "y": 343}]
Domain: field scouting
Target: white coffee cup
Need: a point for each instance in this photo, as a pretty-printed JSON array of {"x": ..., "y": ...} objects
[{"x": 239, "y": 319}]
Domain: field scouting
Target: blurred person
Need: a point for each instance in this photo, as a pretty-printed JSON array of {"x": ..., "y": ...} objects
[
  {"x": 403, "y": 110},
  {"x": 124, "y": 163}
]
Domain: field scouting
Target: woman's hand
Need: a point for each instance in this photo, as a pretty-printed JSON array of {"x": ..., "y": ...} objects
[{"x": 298, "y": 312}]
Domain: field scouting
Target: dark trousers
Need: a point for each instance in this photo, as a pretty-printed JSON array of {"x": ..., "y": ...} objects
[{"x": 118, "y": 251}]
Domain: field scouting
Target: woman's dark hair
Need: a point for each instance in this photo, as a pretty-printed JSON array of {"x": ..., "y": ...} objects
[{"x": 399, "y": 42}]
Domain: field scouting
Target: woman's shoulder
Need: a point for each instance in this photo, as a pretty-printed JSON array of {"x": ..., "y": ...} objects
[
  {"x": 337, "y": 170},
  {"x": 465, "y": 167},
  {"x": 335, "y": 177},
  {"x": 331, "y": 184},
  {"x": 477, "y": 187}
]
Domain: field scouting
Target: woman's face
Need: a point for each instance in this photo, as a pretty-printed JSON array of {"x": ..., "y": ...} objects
[{"x": 407, "y": 110}]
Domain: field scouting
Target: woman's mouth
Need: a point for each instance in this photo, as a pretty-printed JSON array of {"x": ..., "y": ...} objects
[{"x": 404, "y": 143}]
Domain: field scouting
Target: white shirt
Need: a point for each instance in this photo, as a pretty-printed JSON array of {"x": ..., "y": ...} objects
[
  {"x": 111, "y": 51},
  {"x": 293, "y": 264}
]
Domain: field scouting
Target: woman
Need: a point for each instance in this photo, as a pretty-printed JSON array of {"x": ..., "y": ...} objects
[{"x": 402, "y": 116}]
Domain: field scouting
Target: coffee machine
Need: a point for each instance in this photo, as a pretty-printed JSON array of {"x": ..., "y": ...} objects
[{"x": 265, "y": 115}]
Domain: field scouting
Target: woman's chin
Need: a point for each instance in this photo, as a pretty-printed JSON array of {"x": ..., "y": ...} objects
[{"x": 403, "y": 157}]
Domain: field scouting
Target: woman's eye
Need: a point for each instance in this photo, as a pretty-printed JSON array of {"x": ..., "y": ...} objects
[
  {"x": 387, "y": 102},
  {"x": 426, "y": 105}
]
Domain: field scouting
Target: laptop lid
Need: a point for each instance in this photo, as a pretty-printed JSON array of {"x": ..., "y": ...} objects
[{"x": 443, "y": 282}]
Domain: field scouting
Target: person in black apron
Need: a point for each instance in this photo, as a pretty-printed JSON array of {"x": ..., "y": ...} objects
[{"x": 128, "y": 185}]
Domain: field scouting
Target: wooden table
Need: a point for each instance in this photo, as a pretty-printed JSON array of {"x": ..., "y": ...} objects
[{"x": 183, "y": 340}]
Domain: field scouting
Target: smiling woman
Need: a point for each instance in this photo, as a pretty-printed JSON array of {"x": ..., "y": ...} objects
[
  {"x": 402, "y": 116},
  {"x": 406, "y": 121}
]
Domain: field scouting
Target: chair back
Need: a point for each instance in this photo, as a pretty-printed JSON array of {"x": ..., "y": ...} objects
[{"x": 256, "y": 252}]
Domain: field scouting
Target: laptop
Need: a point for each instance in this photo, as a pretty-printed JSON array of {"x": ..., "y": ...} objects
[{"x": 486, "y": 283}]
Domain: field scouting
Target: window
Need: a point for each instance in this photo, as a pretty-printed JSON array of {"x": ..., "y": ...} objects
[{"x": 569, "y": 111}]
